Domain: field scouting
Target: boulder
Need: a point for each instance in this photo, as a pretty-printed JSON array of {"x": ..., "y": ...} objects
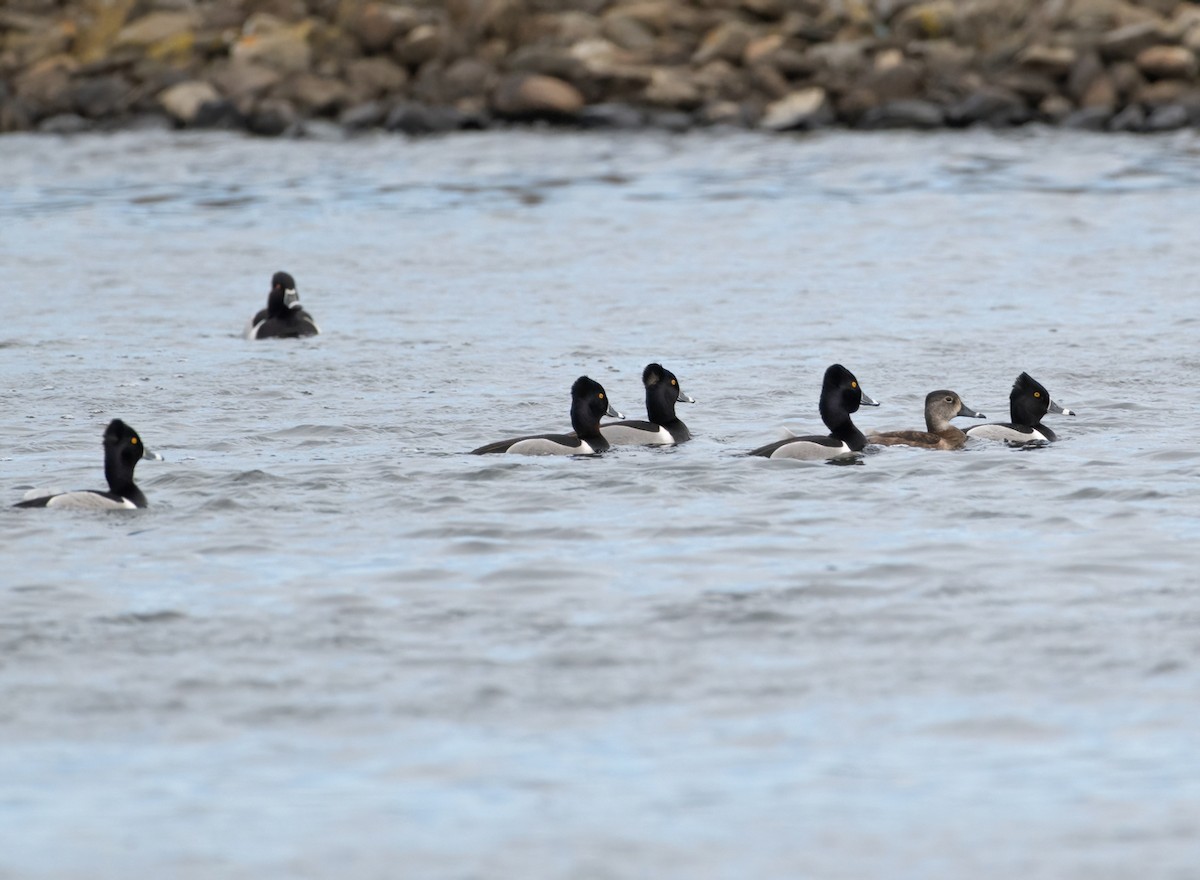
[
  {"x": 377, "y": 25},
  {"x": 904, "y": 114},
  {"x": 468, "y": 78},
  {"x": 1129, "y": 118},
  {"x": 284, "y": 50},
  {"x": 416, "y": 119},
  {"x": 989, "y": 105},
  {"x": 803, "y": 109},
  {"x": 928, "y": 20},
  {"x": 1101, "y": 94},
  {"x": 1168, "y": 117},
  {"x": 363, "y": 116},
  {"x": 1051, "y": 60},
  {"x": 1167, "y": 62},
  {"x": 156, "y": 28},
  {"x": 1126, "y": 42},
  {"x": 1087, "y": 68},
  {"x": 1088, "y": 119},
  {"x": 310, "y": 93},
  {"x": 628, "y": 33},
  {"x": 241, "y": 79},
  {"x": 184, "y": 101},
  {"x": 726, "y": 42},
  {"x": 44, "y": 89},
  {"x": 64, "y": 123},
  {"x": 272, "y": 117},
  {"x": 372, "y": 77},
  {"x": 102, "y": 96},
  {"x": 420, "y": 45},
  {"x": 671, "y": 87},
  {"x": 534, "y": 96}
]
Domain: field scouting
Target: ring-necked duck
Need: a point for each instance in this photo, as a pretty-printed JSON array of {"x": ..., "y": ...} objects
[
  {"x": 1027, "y": 403},
  {"x": 664, "y": 427},
  {"x": 123, "y": 449},
  {"x": 940, "y": 408},
  {"x": 589, "y": 404},
  {"x": 840, "y": 396},
  {"x": 284, "y": 317}
]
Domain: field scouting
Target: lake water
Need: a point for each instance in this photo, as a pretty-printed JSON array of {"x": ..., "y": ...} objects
[{"x": 337, "y": 646}]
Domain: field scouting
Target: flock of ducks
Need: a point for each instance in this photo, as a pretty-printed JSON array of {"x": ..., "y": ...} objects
[{"x": 841, "y": 397}]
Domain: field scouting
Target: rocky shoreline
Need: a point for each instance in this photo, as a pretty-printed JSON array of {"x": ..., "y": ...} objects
[{"x": 271, "y": 67}]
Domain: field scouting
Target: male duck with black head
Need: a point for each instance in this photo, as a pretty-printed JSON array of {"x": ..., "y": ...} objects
[
  {"x": 123, "y": 449},
  {"x": 664, "y": 427},
  {"x": 940, "y": 408},
  {"x": 284, "y": 317},
  {"x": 589, "y": 404},
  {"x": 841, "y": 396},
  {"x": 1028, "y": 402}
]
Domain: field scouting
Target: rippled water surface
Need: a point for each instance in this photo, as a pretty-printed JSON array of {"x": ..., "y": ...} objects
[{"x": 337, "y": 646}]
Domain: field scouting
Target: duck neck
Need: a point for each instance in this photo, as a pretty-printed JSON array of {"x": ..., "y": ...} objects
[
  {"x": 841, "y": 427},
  {"x": 659, "y": 408},
  {"x": 120, "y": 479},
  {"x": 587, "y": 425}
]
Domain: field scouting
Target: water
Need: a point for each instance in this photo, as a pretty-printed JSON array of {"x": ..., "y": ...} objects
[{"x": 337, "y": 646}]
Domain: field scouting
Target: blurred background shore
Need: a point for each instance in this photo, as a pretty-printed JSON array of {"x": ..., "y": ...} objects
[{"x": 279, "y": 67}]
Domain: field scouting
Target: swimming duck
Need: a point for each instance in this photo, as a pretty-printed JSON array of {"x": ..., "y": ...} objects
[
  {"x": 840, "y": 396},
  {"x": 284, "y": 317},
  {"x": 940, "y": 408},
  {"x": 664, "y": 427},
  {"x": 589, "y": 404},
  {"x": 1027, "y": 403},
  {"x": 123, "y": 449}
]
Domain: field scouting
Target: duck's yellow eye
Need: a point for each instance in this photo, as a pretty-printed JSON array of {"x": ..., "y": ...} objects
[
  {"x": 133, "y": 440},
  {"x": 1037, "y": 394},
  {"x": 601, "y": 395},
  {"x": 853, "y": 384},
  {"x": 673, "y": 382}
]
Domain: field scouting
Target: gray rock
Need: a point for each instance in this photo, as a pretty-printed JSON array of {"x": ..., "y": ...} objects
[
  {"x": 468, "y": 78},
  {"x": 1055, "y": 109},
  {"x": 372, "y": 77},
  {"x": 725, "y": 42},
  {"x": 807, "y": 108},
  {"x": 417, "y": 119},
  {"x": 183, "y": 102},
  {"x": 1126, "y": 42},
  {"x": 64, "y": 123},
  {"x": 423, "y": 43},
  {"x": 990, "y": 105},
  {"x": 102, "y": 96},
  {"x": 675, "y": 121},
  {"x": 618, "y": 116},
  {"x": 144, "y": 32},
  {"x": 310, "y": 93},
  {"x": 628, "y": 33},
  {"x": 241, "y": 79},
  {"x": 1168, "y": 117},
  {"x": 363, "y": 116},
  {"x": 1054, "y": 60},
  {"x": 218, "y": 114},
  {"x": 904, "y": 114},
  {"x": 671, "y": 87},
  {"x": 44, "y": 91},
  {"x": 1086, "y": 70},
  {"x": 377, "y": 25},
  {"x": 1088, "y": 119},
  {"x": 272, "y": 117},
  {"x": 1130, "y": 118}
]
